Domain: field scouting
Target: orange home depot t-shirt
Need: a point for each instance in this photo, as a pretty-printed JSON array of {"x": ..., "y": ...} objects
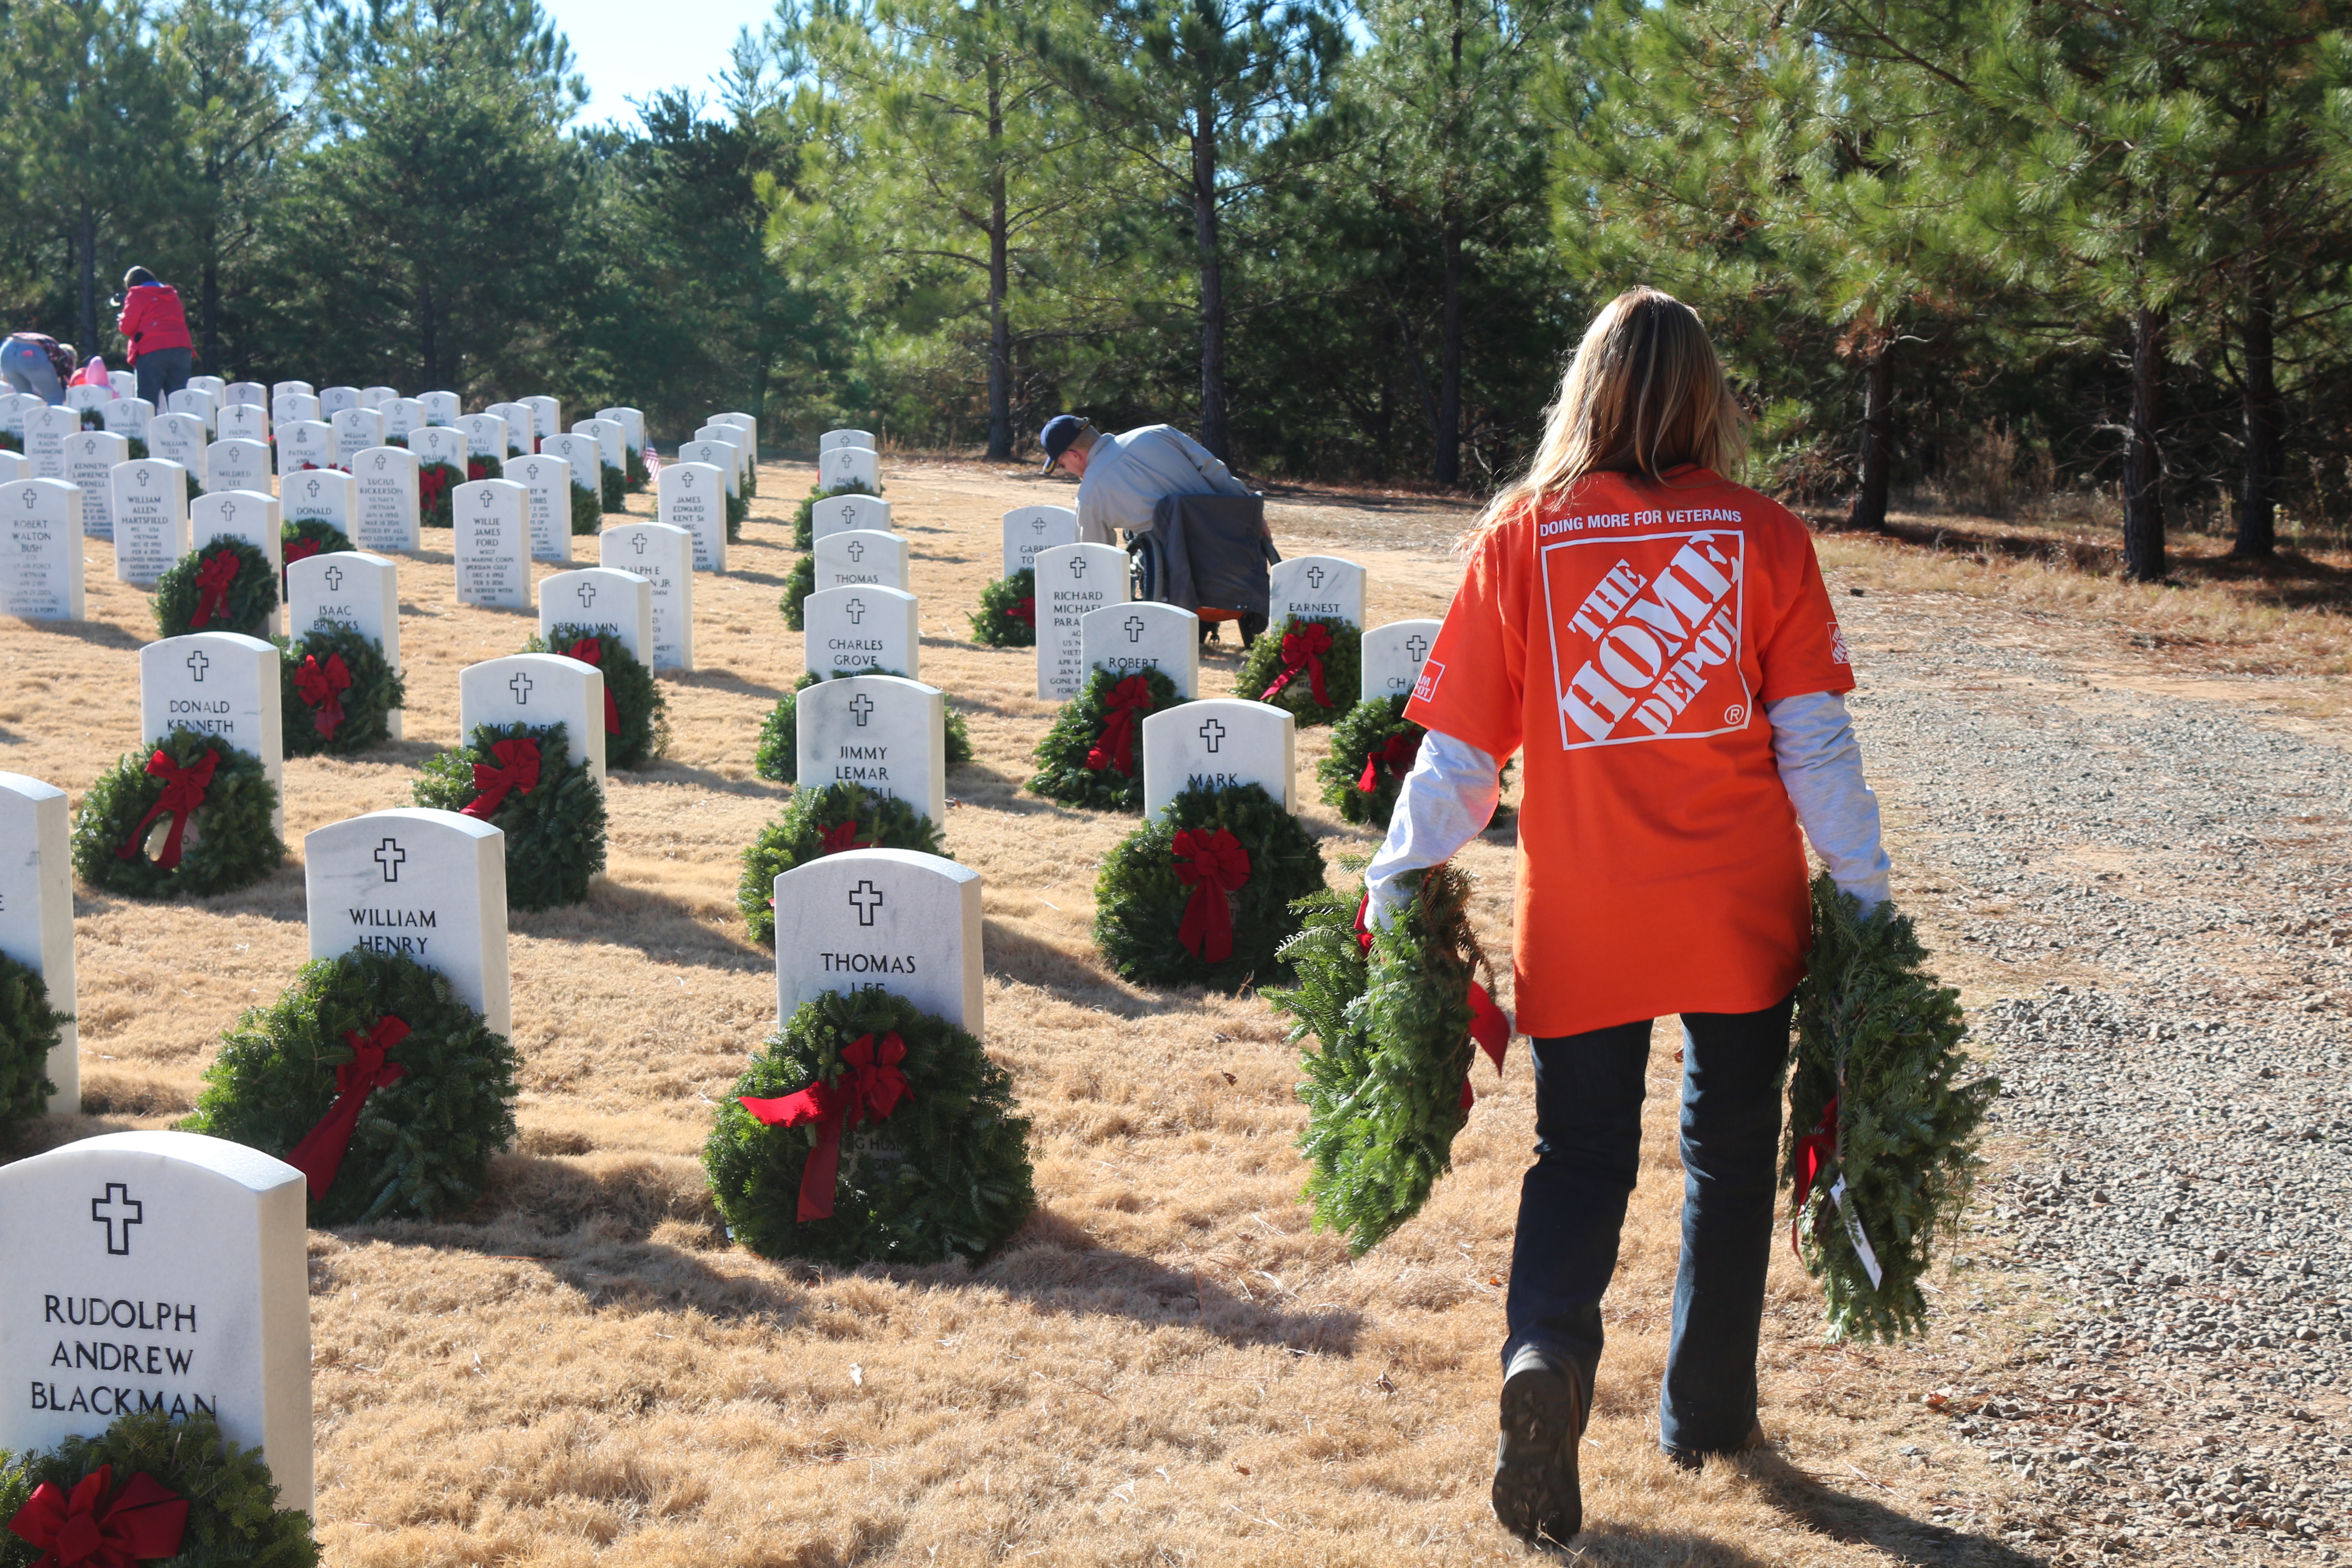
[{"x": 1627, "y": 638}]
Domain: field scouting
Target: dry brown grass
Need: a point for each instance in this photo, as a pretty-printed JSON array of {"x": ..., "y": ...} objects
[{"x": 1166, "y": 1365}]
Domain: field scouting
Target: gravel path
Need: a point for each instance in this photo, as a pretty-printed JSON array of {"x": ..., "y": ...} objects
[{"x": 2150, "y": 894}]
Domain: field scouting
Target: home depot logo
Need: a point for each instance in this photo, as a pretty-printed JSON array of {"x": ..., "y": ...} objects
[{"x": 1646, "y": 637}]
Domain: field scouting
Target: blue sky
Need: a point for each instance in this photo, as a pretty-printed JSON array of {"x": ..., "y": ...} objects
[{"x": 629, "y": 49}]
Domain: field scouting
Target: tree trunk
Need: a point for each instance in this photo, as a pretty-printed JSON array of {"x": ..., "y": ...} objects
[
  {"x": 2143, "y": 459},
  {"x": 1868, "y": 509},
  {"x": 1000, "y": 323},
  {"x": 208, "y": 302},
  {"x": 87, "y": 243},
  {"x": 2257, "y": 504},
  {"x": 428, "y": 336},
  {"x": 1212, "y": 280}
]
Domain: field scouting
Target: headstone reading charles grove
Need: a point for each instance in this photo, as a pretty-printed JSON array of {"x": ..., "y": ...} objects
[
  {"x": 602, "y": 599},
  {"x": 40, "y": 529},
  {"x": 1218, "y": 741},
  {"x": 1124, "y": 638},
  {"x": 1316, "y": 587},
  {"x": 538, "y": 688},
  {"x": 36, "y": 914},
  {"x": 1072, "y": 579},
  {"x": 492, "y": 547},
  {"x": 880, "y": 731},
  {"x": 858, "y": 556},
  {"x": 1029, "y": 529},
  {"x": 422, "y": 884},
  {"x": 881, "y": 920},
  {"x": 151, "y": 519},
  {"x": 852, "y": 629},
  {"x": 1392, "y": 655},
  {"x": 663, "y": 557},
  {"x": 221, "y": 684}
]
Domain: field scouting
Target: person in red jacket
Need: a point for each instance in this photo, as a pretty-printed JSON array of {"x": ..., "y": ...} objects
[{"x": 157, "y": 330}]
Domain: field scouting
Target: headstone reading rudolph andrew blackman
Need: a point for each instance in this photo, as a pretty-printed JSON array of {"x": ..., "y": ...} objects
[{"x": 881, "y": 920}]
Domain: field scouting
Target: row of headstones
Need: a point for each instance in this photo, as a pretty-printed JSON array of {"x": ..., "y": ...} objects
[
  {"x": 237, "y": 409},
  {"x": 846, "y": 458}
]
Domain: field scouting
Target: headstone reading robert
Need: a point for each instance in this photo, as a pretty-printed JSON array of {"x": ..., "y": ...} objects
[
  {"x": 539, "y": 688},
  {"x": 128, "y": 418},
  {"x": 163, "y": 1271},
  {"x": 547, "y": 504},
  {"x": 401, "y": 415},
  {"x": 426, "y": 885},
  {"x": 355, "y": 429},
  {"x": 1072, "y": 580},
  {"x": 836, "y": 514},
  {"x": 36, "y": 913},
  {"x": 440, "y": 407},
  {"x": 246, "y": 392},
  {"x": 243, "y": 422},
  {"x": 860, "y": 556},
  {"x": 354, "y": 588},
  {"x": 191, "y": 400},
  {"x": 521, "y": 423},
  {"x": 631, "y": 422},
  {"x": 1316, "y": 587},
  {"x": 881, "y": 920},
  {"x": 1124, "y": 638},
  {"x": 605, "y": 600},
  {"x": 1030, "y": 529},
  {"x": 335, "y": 400},
  {"x": 486, "y": 436},
  {"x": 384, "y": 478},
  {"x": 438, "y": 444},
  {"x": 1218, "y": 741},
  {"x": 831, "y": 438},
  {"x": 724, "y": 455},
  {"x": 887, "y": 734},
  {"x": 237, "y": 466},
  {"x": 221, "y": 684},
  {"x": 851, "y": 629},
  {"x": 45, "y": 429},
  {"x": 42, "y": 577},
  {"x": 663, "y": 557},
  {"x": 1392, "y": 655},
  {"x": 580, "y": 451},
  {"x": 850, "y": 466},
  {"x": 151, "y": 519},
  {"x": 305, "y": 444},
  {"x": 608, "y": 435},
  {"x": 179, "y": 438},
  {"x": 293, "y": 407},
  {"x": 89, "y": 459},
  {"x": 493, "y": 549},
  {"x": 546, "y": 415},
  {"x": 693, "y": 496}
]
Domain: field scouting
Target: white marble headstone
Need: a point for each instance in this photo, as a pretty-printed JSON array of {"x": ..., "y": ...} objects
[
  {"x": 631, "y": 422},
  {"x": 603, "y": 600},
  {"x": 492, "y": 546},
  {"x": 129, "y": 416},
  {"x": 385, "y": 479},
  {"x": 831, "y": 438},
  {"x": 663, "y": 556},
  {"x": 36, "y": 913},
  {"x": 221, "y": 684},
  {"x": 521, "y": 422},
  {"x": 211, "y": 384},
  {"x": 356, "y": 429},
  {"x": 608, "y": 435},
  {"x": 693, "y": 496},
  {"x": 42, "y": 580},
  {"x": 124, "y": 383},
  {"x": 423, "y": 884},
  {"x": 1029, "y": 529},
  {"x": 253, "y": 516},
  {"x": 15, "y": 465},
  {"x": 354, "y": 588},
  {"x": 246, "y": 392},
  {"x": 13, "y": 406},
  {"x": 547, "y": 504},
  {"x": 881, "y": 920},
  {"x": 291, "y": 389},
  {"x": 1124, "y": 638},
  {"x": 89, "y": 459},
  {"x": 733, "y": 436},
  {"x": 325, "y": 495},
  {"x": 401, "y": 415},
  {"x": 485, "y": 434},
  {"x": 858, "y": 556},
  {"x": 305, "y": 443},
  {"x": 440, "y": 407},
  {"x": 582, "y": 452},
  {"x": 1221, "y": 742},
  {"x": 1315, "y": 587},
  {"x": 546, "y": 415},
  {"x": 878, "y": 731},
  {"x": 84, "y": 398},
  {"x": 376, "y": 397},
  {"x": 192, "y": 400},
  {"x": 45, "y": 430},
  {"x": 1392, "y": 655},
  {"x": 722, "y": 455},
  {"x": 237, "y": 466},
  {"x": 438, "y": 444},
  {"x": 335, "y": 400},
  {"x": 862, "y": 629},
  {"x": 293, "y": 408},
  {"x": 151, "y": 519},
  {"x": 179, "y": 438},
  {"x": 538, "y": 688},
  {"x": 243, "y": 422},
  {"x": 837, "y": 514},
  {"x": 1072, "y": 580},
  {"x": 849, "y": 466}
]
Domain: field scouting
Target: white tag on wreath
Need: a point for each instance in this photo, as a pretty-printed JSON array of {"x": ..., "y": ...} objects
[{"x": 1854, "y": 1233}]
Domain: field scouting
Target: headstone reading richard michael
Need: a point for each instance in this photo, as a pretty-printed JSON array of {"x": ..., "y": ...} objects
[
  {"x": 1218, "y": 741},
  {"x": 1072, "y": 579},
  {"x": 36, "y": 913},
  {"x": 424, "y": 884},
  {"x": 881, "y": 920}
]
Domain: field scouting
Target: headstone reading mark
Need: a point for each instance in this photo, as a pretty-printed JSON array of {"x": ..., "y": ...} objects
[
  {"x": 1211, "y": 734},
  {"x": 1219, "y": 742},
  {"x": 389, "y": 855},
  {"x": 866, "y": 899},
  {"x": 117, "y": 1208}
]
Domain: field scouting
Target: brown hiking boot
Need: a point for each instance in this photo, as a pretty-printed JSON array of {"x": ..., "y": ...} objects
[{"x": 1537, "y": 1495}]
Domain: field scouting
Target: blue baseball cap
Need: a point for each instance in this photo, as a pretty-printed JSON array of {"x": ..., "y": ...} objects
[{"x": 1056, "y": 437}]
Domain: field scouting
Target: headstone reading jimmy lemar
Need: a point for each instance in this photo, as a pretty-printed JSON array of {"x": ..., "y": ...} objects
[
  {"x": 1072, "y": 579},
  {"x": 36, "y": 913},
  {"x": 1218, "y": 741},
  {"x": 89, "y": 459},
  {"x": 151, "y": 519},
  {"x": 384, "y": 478},
  {"x": 354, "y": 588},
  {"x": 42, "y": 579},
  {"x": 157, "y": 1272},
  {"x": 1030, "y": 529},
  {"x": 693, "y": 496},
  {"x": 420, "y": 884},
  {"x": 605, "y": 600},
  {"x": 538, "y": 688},
  {"x": 547, "y": 504},
  {"x": 839, "y": 514},
  {"x": 493, "y": 548},
  {"x": 1125, "y": 638},
  {"x": 878, "y": 731},
  {"x": 237, "y": 465},
  {"x": 858, "y": 556},
  {"x": 851, "y": 629},
  {"x": 881, "y": 920},
  {"x": 1315, "y": 586},
  {"x": 1392, "y": 655},
  {"x": 663, "y": 557},
  {"x": 221, "y": 684}
]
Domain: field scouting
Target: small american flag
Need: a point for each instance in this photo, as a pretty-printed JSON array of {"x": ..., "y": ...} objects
[{"x": 653, "y": 462}]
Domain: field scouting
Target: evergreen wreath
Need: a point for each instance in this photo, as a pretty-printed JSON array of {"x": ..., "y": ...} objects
[
  {"x": 798, "y": 586},
  {"x": 226, "y": 841},
  {"x": 11, "y": 442},
  {"x": 587, "y": 510},
  {"x": 1374, "y": 741},
  {"x": 232, "y": 1514},
  {"x": 92, "y": 419},
  {"x": 1074, "y": 768},
  {"x": 634, "y": 476},
  {"x": 1142, "y": 907},
  {"x": 1007, "y": 616},
  {"x": 818, "y": 822},
  {"x": 336, "y": 691},
  {"x": 305, "y": 537},
  {"x": 943, "y": 1173},
  {"x": 421, "y": 1142},
  {"x": 395, "y": 438},
  {"x": 739, "y": 513},
  {"x": 1388, "y": 1083},
  {"x": 200, "y": 581},
  {"x": 135, "y": 449},
  {"x": 1335, "y": 644},
  {"x": 555, "y": 829},
  {"x": 609, "y": 493},
  {"x": 30, "y": 1029},
  {"x": 436, "y": 483},
  {"x": 1877, "y": 1107},
  {"x": 480, "y": 465},
  {"x": 804, "y": 516},
  {"x": 635, "y": 698},
  {"x": 777, "y": 757}
]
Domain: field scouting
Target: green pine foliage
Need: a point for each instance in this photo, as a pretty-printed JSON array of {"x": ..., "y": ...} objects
[
  {"x": 777, "y": 755},
  {"x": 739, "y": 513},
  {"x": 423, "y": 1145},
  {"x": 555, "y": 834},
  {"x": 134, "y": 449},
  {"x": 634, "y": 476},
  {"x": 883, "y": 822},
  {"x": 435, "y": 504},
  {"x": 1367, "y": 728},
  {"x": 1140, "y": 902},
  {"x": 946, "y": 1175},
  {"x": 330, "y": 540},
  {"x": 614, "y": 488},
  {"x": 1876, "y": 1031},
  {"x": 251, "y": 596},
  {"x": 30, "y": 1029},
  {"x": 375, "y": 690},
  {"x": 230, "y": 845},
  {"x": 994, "y": 623},
  {"x": 587, "y": 510},
  {"x": 798, "y": 586},
  {"x": 804, "y": 516},
  {"x": 233, "y": 1513},
  {"x": 1343, "y": 671},
  {"x": 644, "y": 710},
  {"x": 1061, "y": 757}
]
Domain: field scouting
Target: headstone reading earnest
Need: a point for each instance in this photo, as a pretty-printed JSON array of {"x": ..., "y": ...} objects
[
  {"x": 493, "y": 549},
  {"x": 538, "y": 688},
  {"x": 1029, "y": 529},
  {"x": 849, "y": 466},
  {"x": 221, "y": 684},
  {"x": 877, "y": 730},
  {"x": 1316, "y": 587},
  {"x": 1072, "y": 579},
  {"x": 151, "y": 519},
  {"x": 852, "y": 629},
  {"x": 882, "y": 919},
  {"x": 354, "y": 588},
  {"x": 1221, "y": 742},
  {"x": 1392, "y": 655},
  {"x": 36, "y": 913},
  {"x": 426, "y": 885},
  {"x": 1124, "y": 638},
  {"x": 547, "y": 504},
  {"x": 40, "y": 529},
  {"x": 602, "y": 599},
  {"x": 858, "y": 556},
  {"x": 693, "y": 496},
  {"x": 663, "y": 557},
  {"x": 388, "y": 518},
  {"x": 836, "y": 514}
]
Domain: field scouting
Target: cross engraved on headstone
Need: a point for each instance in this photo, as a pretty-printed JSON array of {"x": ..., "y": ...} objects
[
  {"x": 855, "y": 610},
  {"x": 848, "y": 513},
  {"x": 520, "y": 687},
  {"x": 389, "y": 855},
  {"x": 1416, "y": 647},
  {"x": 587, "y": 595},
  {"x": 1134, "y": 625},
  {"x": 314, "y": 490},
  {"x": 863, "y": 707},
  {"x": 684, "y": 478},
  {"x": 1036, "y": 525},
  {"x": 1211, "y": 732},
  {"x": 865, "y": 899},
  {"x": 229, "y": 511},
  {"x": 486, "y": 498},
  {"x": 1077, "y": 566},
  {"x": 1315, "y": 576},
  {"x": 30, "y": 497},
  {"x": 638, "y": 543},
  {"x": 379, "y": 462},
  {"x": 142, "y": 475},
  {"x": 334, "y": 576},
  {"x": 198, "y": 664},
  {"x": 123, "y": 1210},
  {"x": 856, "y": 551}
]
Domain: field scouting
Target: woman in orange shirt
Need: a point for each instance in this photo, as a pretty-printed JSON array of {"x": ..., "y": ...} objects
[{"x": 1657, "y": 642}]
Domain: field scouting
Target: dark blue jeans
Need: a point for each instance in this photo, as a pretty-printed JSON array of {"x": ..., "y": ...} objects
[
  {"x": 160, "y": 373},
  {"x": 1589, "y": 1091}
]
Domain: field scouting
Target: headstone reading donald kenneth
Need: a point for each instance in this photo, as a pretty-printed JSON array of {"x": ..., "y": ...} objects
[
  {"x": 40, "y": 529},
  {"x": 179, "y": 438},
  {"x": 693, "y": 496},
  {"x": 1220, "y": 742},
  {"x": 89, "y": 459},
  {"x": 1392, "y": 655},
  {"x": 243, "y": 422},
  {"x": 151, "y": 519},
  {"x": 858, "y": 556},
  {"x": 388, "y": 518},
  {"x": 850, "y": 466},
  {"x": 36, "y": 913},
  {"x": 1124, "y": 638},
  {"x": 353, "y": 588},
  {"x": 493, "y": 550},
  {"x": 1029, "y": 529},
  {"x": 547, "y": 504},
  {"x": 1072, "y": 579},
  {"x": 322, "y": 495},
  {"x": 356, "y": 429},
  {"x": 603, "y": 600},
  {"x": 1315, "y": 587},
  {"x": 157, "y": 1272},
  {"x": 237, "y": 465},
  {"x": 851, "y": 629},
  {"x": 424, "y": 884},
  {"x": 838, "y": 514},
  {"x": 222, "y": 684},
  {"x": 538, "y": 688},
  {"x": 887, "y": 734},
  {"x": 881, "y": 920},
  {"x": 663, "y": 557}
]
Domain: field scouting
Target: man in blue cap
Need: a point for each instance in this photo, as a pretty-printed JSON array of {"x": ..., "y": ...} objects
[{"x": 1122, "y": 478}]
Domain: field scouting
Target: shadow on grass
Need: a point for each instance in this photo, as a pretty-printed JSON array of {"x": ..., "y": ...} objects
[
  {"x": 663, "y": 771},
  {"x": 98, "y": 634},
  {"x": 1813, "y": 1505},
  {"x": 721, "y": 679},
  {"x": 656, "y": 925}
]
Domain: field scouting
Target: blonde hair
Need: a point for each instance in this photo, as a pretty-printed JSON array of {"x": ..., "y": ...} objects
[{"x": 1644, "y": 393}]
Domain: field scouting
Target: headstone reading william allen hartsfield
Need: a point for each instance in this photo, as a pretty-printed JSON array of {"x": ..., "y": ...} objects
[
  {"x": 1072, "y": 579},
  {"x": 663, "y": 557},
  {"x": 538, "y": 688},
  {"x": 1220, "y": 742},
  {"x": 1313, "y": 587},
  {"x": 237, "y": 465},
  {"x": 547, "y": 504},
  {"x": 179, "y": 438},
  {"x": 151, "y": 519},
  {"x": 851, "y": 629},
  {"x": 353, "y": 588},
  {"x": 223, "y": 684},
  {"x": 605, "y": 600},
  {"x": 693, "y": 496},
  {"x": 881, "y": 920},
  {"x": 157, "y": 1272},
  {"x": 36, "y": 913},
  {"x": 420, "y": 884},
  {"x": 858, "y": 556},
  {"x": 837, "y": 514},
  {"x": 493, "y": 548},
  {"x": 849, "y": 466},
  {"x": 887, "y": 734},
  {"x": 1392, "y": 655},
  {"x": 322, "y": 495},
  {"x": 40, "y": 529},
  {"x": 1124, "y": 638},
  {"x": 384, "y": 478},
  {"x": 89, "y": 459},
  {"x": 1029, "y": 529}
]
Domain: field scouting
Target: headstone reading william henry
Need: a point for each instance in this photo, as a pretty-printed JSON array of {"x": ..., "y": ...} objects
[
  {"x": 881, "y": 920},
  {"x": 422, "y": 884}
]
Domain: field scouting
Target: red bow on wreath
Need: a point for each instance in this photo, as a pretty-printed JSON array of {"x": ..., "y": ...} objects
[
  {"x": 1489, "y": 1026},
  {"x": 841, "y": 835},
  {"x": 431, "y": 482},
  {"x": 1215, "y": 865},
  {"x": 1395, "y": 754},
  {"x": 1123, "y": 711},
  {"x": 1815, "y": 1151},
  {"x": 518, "y": 768},
  {"x": 478, "y": 468},
  {"x": 215, "y": 574},
  {"x": 87, "y": 1528},
  {"x": 301, "y": 549},
  {"x": 1304, "y": 649},
  {"x": 864, "y": 1084},
  {"x": 319, "y": 685},
  {"x": 183, "y": 791},
  {"x": 1024, "y": 610},
  {"x": 591, "y": 650},
  {"x": 321, "y": 1153}
]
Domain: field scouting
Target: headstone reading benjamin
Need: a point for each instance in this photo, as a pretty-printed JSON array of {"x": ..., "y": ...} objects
[
  {"x": 663, "y": 557},
  {"x": 385, "y": 480},
  {"x": 221, "y": 684},
  {"x": 859, "y": 556},
  {"x": 179, "y": 438},
  {"x": 1220, "y": 742},
  {"x": 836, "y": 514},
  {"x": 1313, "y": 587},
  {"x": 354, "y": 588},
  {"x": 881, "y": 920},
  {"x": 693, "y": 496},
  {"x": 852, "y": 629},
  {"x": 1029, "y": 529},
  {"x": 36, "y": 913},
  {"x": 237, "y": 465},
  {"x": 538, "y": 688},
  {"x": 45, "y": 429},
  {"x": 887, "y": 734},
  {"x": 1124, "y": 638},
  {"x": 605, "y": 600},
  {"x": 89, "y": 459},
  {"x": 151, "y": 519},
  {"x": 1392, "y": 655},
  {"x": 426, "y": 885},
  {"x": 547, "y": 504},
  {"x": 1072, "y": 579},
  {"x": 42, "y": 577},
  {"x": 850, "y": 466},
  {"x": 356, "y": 429},
  {"x": 493, "y": 549}
]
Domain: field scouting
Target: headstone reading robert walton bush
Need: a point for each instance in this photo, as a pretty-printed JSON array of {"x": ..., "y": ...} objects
[
  {"x": 884, "y": 920},
  {"x": 36, "y": 914},
  {"x": 40, "y": 529}
]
